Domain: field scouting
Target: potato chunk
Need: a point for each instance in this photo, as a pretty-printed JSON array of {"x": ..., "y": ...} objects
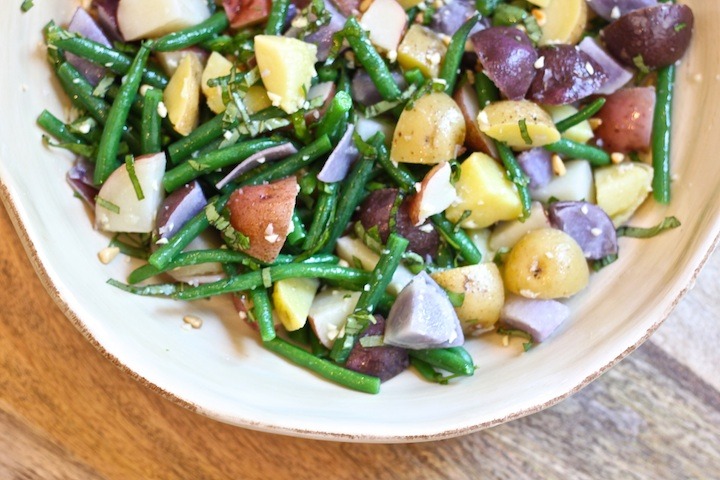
[
  {"x": 581, "y": 133},
  {"x": 287, "y": 67},
  {"x": 292, "y": 299},
  {"x": 217, "y": 66},
  {"x": 621, "y": 189},
  {"x": 148, "y": 19},
  {"x": 431, "y": 132},
  {"x": 503, "y": 121},
  {"x": 423, "y": 49},
  {"x": 564, "y": 21},
  {"x": 182, "y": 95},
  {"x": 485, "y": 192}
]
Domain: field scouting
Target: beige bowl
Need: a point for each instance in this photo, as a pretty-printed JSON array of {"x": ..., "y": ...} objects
[{"x": 221, "y": 371}]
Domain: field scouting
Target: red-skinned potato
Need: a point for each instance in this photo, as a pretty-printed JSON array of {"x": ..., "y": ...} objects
[
  {"x": 658, "y": 35},
  {"x": 263, "y": 213},
  {"x": 627, "y": 120},
  {"x": 435, "y": 193},
  {"x": 245, "y": 13},
  {"x": 475, "y": 140}
]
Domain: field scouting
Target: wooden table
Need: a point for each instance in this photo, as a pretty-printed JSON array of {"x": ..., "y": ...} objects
[{"x": 66, "y": 412}]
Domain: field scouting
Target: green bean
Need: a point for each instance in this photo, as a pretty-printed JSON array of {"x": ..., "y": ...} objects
[
  {"x": 457, "y": 238},
  {"x": 113, "y": 60},
  {"x": 276, "y": 20},
  {"x": 517, "y": 176},
  {"x": 262, "y": 309},
  {"x": 323, "y": 212},
  {"x": 150, "y": 135},
  {"x": 194, "y": 257},
  {"x": 486, "y": 90},
  {"x": 588, "y": 111},
  {"x": 317, "y": 348},
  {"x": 342, "y": 376},
  {"x": 162, "y": 257},
  {"x": 200, "y": 137},
  {"x": 301, "y": 336},
  {"x": 107, "y": 153},
  {"x": 298, "y": 233},
  {"x": 661, "y": 134},
  {"x": 192, "y": 169},
  {"x": 414, "y": 77},
  {"x": 350, "y": 277},
  {"x": 192, "y": 35},
  {"x": 81, "y": 92},
  {"x": 595, "y": 156},
  {"x": 426, "y": 370},
  {"x": 55, "y": 127},
  {"x": 486, "y": 7},
  {"x": 398, "y": 173},
  {"x": 371, "y": 60},
  {"x": 380, "y": 278},
  {"x": 163, "y": 289},
  {"x": 455, "y": 360},
  {"x": 455, "y": 51},
  {"x": 334, "y": 116}
]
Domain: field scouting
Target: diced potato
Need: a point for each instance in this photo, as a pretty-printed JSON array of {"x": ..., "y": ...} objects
[
  {"x": 484, "y": 292},
  {"x": 581, "y": 133},
  {"x": 256, "y": 99},
  {"x": 217, "y": 66},
  {"x": 287, "y": 67},
  {"x": 329, "y": 311},
  {"x": 431, "y": 132},
  {"x": 421, "y": 48},
  {"x": 485, "y": 192},
  {"x": 149, "y": 19},
  {"x": 292, "y": 299},
  {"x": 576, "y": 185},
  {"x": 367, "y": 127},
  {"x": 564, "y": 21},
  {"x": 353, "y": 250},
  {"x": 507, "y": 234},
  {"x": 481, "y": 238},
  {"x": 621, "y": 189},
  {"x": 182, "y": 95},
  {"x": 385, "y": 21},
  {"x": 502, "y": 121},
  {"x": 169, "y": 61},
  {"x": 408, "y": 4}
]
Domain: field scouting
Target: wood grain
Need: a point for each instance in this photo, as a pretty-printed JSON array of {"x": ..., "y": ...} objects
[{"x": 66, "y": 412}]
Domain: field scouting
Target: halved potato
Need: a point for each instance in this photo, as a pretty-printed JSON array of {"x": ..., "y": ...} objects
[
  {"x": 217, "y": 66},
  {"x": 564, "y": 21},
  {"x": 292, "y": 299},
  {"x": 182, "y": 95},
  {"x": 519, "y": 123},
  {"x": 423, "y": 49}
]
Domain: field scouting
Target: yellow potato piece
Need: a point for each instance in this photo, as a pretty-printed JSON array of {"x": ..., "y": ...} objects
[
  {"x": 581, "y": 133},
  {"x": 485, "y": 192},
  {"x": 182, "y": 95},
  {"x": 408, "y": 4},
  {"x": 484, "y": 293},
  {"x": 502, "y": 121},
  {"x": 217, "y": 66},
  {"x": 256, "y": 99},
  {"x": 564, "y": 21},
  {"x": 431, "y": 132},
  {"x": 292, "y": 299},
  {"x": 423, "y": 49},
  {"x": 287, "y": 67},
  {"x": 621, "y": 189},
  {"x": 540, "y": 3}
]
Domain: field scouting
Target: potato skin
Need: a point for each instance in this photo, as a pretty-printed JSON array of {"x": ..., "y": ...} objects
[
  {"x": 627, "y": 119},
  {"x": 263, "y": 213},
  {"x": 431, "y": 132},
  {"x": 482, "y": 285},
  {"x": 546, "y": 264}
]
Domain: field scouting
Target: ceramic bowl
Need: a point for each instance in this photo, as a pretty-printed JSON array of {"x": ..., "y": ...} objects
[{"x": 221, "y": 370}]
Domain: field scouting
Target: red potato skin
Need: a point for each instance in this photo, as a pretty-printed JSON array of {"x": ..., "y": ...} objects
[
  {"x": 384, "y": 362},
  {"x": 475, "y": 140},
  {"x": 245, "y": 13},
  {"x": 253, "y": 209},
  {"x": 627, "y": 120},
  {"x": 347, "y": 7},
  {"x": 659, "y": 34}
]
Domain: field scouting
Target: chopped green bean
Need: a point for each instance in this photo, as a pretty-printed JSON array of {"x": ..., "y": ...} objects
[
  {"x": 661, "y": 134},
  {"x": 457, "y": 238},
  {"x": 455, "y": 360},
  {"x": 55, "y": 127},
  {"x": 262, "y": 309},
  {"x": 298, "y": 232},
  {"x": 150, "y": 135},
  {"x": 278, "y": 15},
  {"x": 334, "y": 117},
  {"x": 324, "y": 212},
  {"x": 200, "y": 137},
  {"x": 571, "y": 149},
  {"x": 588, "y": 111},
  {"x": 190, "y": 36},
  {"x": 517, "y": 176},
  {"x": 455, "y": 51}
]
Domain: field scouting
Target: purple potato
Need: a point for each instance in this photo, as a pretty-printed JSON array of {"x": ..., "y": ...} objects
[
  {"x": 451, "y": 16},
  {"x": 348, "y": 8},
  {"x": 364, "y": 90},
  {"x": 658, "y": 36},
  {"x": 384, "y": 362},
  {"x": 618, "y": 76},
  {"x": 508, "y": 58},
  {"x": 539, "y": 318},
  {"x": 566, "y": 76},
  {"x": 423, "y": 317},
  {"x": 627, "y": 120},
  {"x": 83, "y": 24},
  {"x": 342, "y": 157},
  {"x": 179, "y": 207},
  {"x": 375, "y": 212},
  {"x": 80, "y": 178},
  {"x": 107, "y": 16},
  {"x": 537, "y": 165},
  {"x": 588, "y": 225},
  {"x": 256, "y": 159},
  {"x": 613, "y": 9},
  {"x": 323, "y": 37}
]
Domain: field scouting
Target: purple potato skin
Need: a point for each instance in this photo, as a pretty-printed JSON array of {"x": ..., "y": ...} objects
[
  {"x": 179, "y": 207},
  {"x": 451, "y": 16},
  {"x": 107, "y": 17},
  {"x": 364, "y": 90},
  {"x": 85, "y": 25},
  {"x": 375, "y": 211},
  {"x": 618, "y": 76},
  {"x": 537, "y": 165},
  {"x": 588, "y": 225},
  {"x": 539, "y": 318},
  {"x": 660, "y": 35},
  {"x": 604, "y": 8},
  {"x": 508, "y": 58},
  {"x": 567, "y": 75},
  {"x": 384, "y": 362}
]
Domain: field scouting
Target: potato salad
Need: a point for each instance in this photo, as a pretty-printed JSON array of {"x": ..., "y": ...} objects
[{"x": 370, "y": 183}]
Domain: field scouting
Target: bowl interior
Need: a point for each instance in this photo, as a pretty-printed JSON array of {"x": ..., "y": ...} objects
[{"x": 221, "y": 370}]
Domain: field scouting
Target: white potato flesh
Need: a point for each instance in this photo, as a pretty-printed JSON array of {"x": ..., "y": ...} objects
[
  {"x": 576, "y": 185},
  {"x": 217, "y": 66},
  {"x": 385, "y": 21},
  {"x": 132, "y": 215},
  {"x": 152, "y": 18},
  {"x": 328, "y": 313},
  {"x": 352, "y": 249},
  {"x": 581, "y": 133},
  {"x": 367, "y": 127},
  {"x": 182, "y": 95},
  {"x": 621, "y": 189},
  {"x": 507, "y": 234},
  {"x": 480, "y": 237},
  {"x": 169, "y": 61}
]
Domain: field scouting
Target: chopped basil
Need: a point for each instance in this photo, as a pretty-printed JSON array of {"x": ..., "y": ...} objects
[
  {"x": 130, "y": 166},
  {"x": 636, "y": 232},
  {"x": 235, "y": 239},
  {"x": 514, "y": 332},
  {"x": 640, "y": 64},
  {"x": 107, "y": 205},
  {"x": 598, "y": 265},
  {"x": 524, "y": 132},
  {"x": 456, "y": 299},
  {"x": 26, "y": 5},
  {"x": 680, "y": 26},
  {"x": 370, "y": 341}
]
